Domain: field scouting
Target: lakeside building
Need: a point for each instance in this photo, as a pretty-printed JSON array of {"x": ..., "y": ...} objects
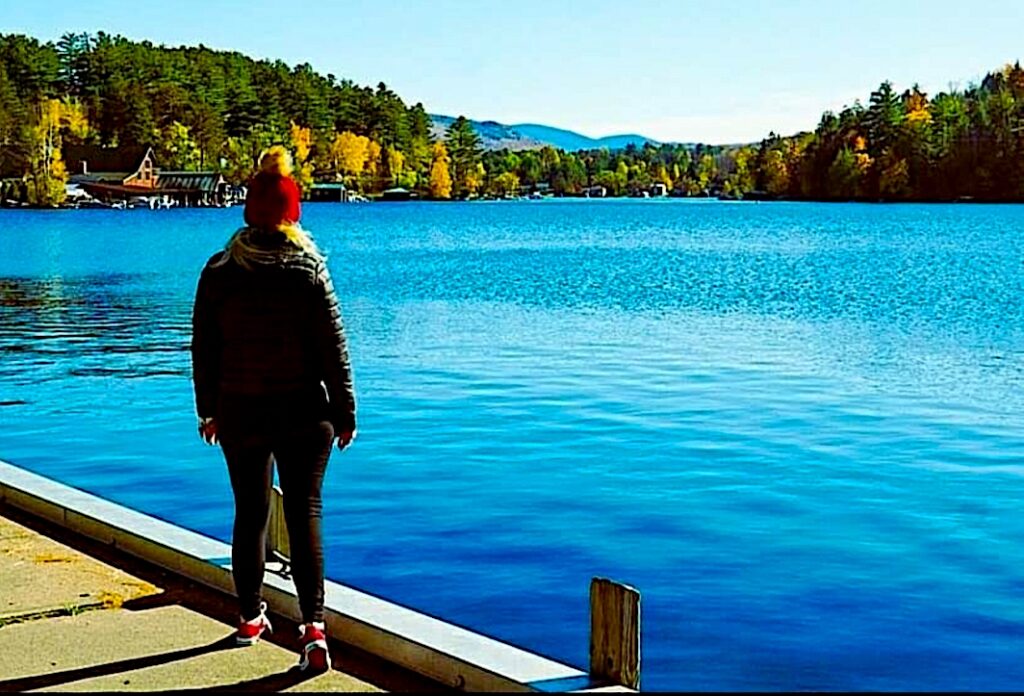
[
  {"x": 127, "y": 173},
  {"x": 334, "y": 192},
  {"x": 329, "y": 192},
  {"x": 396, "y": 194},
  {"x": 542, "y": 188}
]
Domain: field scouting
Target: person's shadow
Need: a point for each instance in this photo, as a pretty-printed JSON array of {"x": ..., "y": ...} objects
[{"x": 271, "y": 682}]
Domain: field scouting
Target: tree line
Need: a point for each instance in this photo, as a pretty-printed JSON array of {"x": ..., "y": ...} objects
[
  {"x": 959, "y": 144},
  {"x": 201, "y": 109}
]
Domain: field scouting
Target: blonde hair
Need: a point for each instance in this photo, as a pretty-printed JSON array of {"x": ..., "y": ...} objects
[
  {"x": 300, "y": 238},
  {"x": 276, "y": 160},
  {"x": 241, "y": 249}
]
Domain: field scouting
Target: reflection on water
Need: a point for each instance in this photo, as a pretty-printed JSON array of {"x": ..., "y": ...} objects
[
  {"x": 96, "y": 326},
  {"x": 795, "y": 427}
]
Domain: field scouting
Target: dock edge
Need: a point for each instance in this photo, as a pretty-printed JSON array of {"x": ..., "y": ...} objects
[{"x": 448, "y": 654}]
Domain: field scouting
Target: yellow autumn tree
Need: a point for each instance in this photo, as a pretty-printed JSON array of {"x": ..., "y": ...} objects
[
  {"x": 741, "y": 180},
  {"x": 177, "y": 149},
  {"x": 73, "y": 119},
  {"x": 396, "y": 163},
  {"x": 440, "y": 179},
  {"x": 373, "y": 164},
  {"x": 864, "y": 162},
  {"x": 47, "y": 175},
  {"x": 475, "y": 178},
  {"x": 707, "y": 170},
  {"x": 620, "y": 179},
  {"x": 301, "y": 140},
  {"x": 776, "y": 173},
  {"x": 506, "y": 184},
  {"x": 861, "y": 158},
  {"x": 348, "y": 153},
  {"x": 660, "y": 174},
  {"x": 917, "y": 107}
]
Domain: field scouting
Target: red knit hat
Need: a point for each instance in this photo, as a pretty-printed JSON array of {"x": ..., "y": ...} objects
[{"x": 272, "y": 201}]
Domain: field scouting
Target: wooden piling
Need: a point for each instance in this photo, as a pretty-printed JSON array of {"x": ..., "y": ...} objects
[
  {"x": 277, "y": 533},
  {"x": 614, "y": 633}
]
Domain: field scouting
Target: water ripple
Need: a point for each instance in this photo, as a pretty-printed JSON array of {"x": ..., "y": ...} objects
[{"x": 795, "y": 427}]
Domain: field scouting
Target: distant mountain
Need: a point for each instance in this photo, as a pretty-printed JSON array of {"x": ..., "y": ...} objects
[
  {"x": 494, "y": 136},
  {"x": 531, "y": 136},
  {"x": 570, "y": 140}
]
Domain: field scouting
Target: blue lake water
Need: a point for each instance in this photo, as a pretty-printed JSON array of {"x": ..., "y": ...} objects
[{"x": 798, "y": 429}]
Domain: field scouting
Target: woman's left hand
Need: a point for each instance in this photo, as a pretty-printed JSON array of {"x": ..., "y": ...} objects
[
  {"x": 345, "y": 439},
  {"x": 208, "y": 431}
]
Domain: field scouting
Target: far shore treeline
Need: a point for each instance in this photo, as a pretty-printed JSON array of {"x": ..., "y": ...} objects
[{"x": 206, "y": 110}]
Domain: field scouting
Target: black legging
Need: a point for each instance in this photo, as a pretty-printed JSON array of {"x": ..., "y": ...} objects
[{"x": 294, "y": 431}]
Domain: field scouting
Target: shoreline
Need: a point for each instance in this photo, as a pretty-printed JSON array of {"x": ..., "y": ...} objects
[{"x": 661, "y": 199}]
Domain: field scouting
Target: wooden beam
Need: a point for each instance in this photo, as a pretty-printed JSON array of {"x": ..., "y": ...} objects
[
  {"x": 277, "y": 532},
  {"x": 614, "y": 633}
]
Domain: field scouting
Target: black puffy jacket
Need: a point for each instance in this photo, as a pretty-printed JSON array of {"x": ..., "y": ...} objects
[{"x": 274, "y": 328}]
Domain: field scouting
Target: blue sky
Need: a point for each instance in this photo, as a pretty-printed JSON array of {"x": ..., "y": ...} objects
[{"x": 671, "y": 70}]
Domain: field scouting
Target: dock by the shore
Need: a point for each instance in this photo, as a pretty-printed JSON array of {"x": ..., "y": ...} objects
[{"x": 95, "y": 596}]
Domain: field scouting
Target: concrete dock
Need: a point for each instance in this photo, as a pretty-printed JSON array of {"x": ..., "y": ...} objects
[
  {"x": 70, "y": 621},
  {"x": 97, "y": 596}
]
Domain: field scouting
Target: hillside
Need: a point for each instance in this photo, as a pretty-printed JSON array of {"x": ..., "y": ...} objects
[
  {"x": 530, "y": 136},
  {"x": 494, "y": 136},
  {"x": 571, "y": 140}
]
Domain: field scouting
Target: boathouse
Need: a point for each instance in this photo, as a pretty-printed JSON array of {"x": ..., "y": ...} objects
[
  {"x": 124, "y": 173},
  {"x": 396, "y": 194},
  {"x": 192, "y": 188},
  {"x": 331, "y": 192}
]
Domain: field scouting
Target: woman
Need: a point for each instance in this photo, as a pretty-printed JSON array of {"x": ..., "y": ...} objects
[{"x": 273, "y": 383}]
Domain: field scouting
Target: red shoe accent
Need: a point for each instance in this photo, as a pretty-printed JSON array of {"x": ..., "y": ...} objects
[
  {"x": 315, "y": 656},
  {"x": 249, "y": 632}
]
